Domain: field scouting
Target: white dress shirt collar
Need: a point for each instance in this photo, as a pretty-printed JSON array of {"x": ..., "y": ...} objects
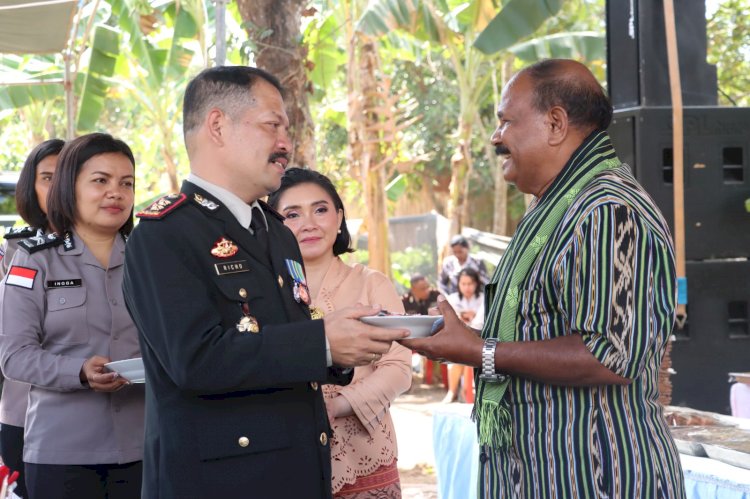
[{"x": 242, "y": 211}]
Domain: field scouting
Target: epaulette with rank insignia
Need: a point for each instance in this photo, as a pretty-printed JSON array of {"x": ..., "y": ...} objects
[
  {"x": 19, "y": 232},
  {"x": 267, "y": 208},
  {"x": 40, "y": 242},
  {"x": 163, "y": 206}
]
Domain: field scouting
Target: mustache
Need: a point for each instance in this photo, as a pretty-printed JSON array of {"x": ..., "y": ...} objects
[
  {"x": 273, "y": 157},
  {"x": 501, "y": 150}
]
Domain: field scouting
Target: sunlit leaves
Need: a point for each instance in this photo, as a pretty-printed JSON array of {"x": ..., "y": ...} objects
[{"x": 517, "y": 20}]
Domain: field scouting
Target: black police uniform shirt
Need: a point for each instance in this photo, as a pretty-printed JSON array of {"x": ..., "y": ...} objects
[{"x": 233, "y": 361}]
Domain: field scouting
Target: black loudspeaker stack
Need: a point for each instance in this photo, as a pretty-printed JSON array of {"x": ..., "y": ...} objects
[{"x": 716, "y": 338}]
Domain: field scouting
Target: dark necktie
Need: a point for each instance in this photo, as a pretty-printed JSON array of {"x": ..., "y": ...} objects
[{"x": 259, "y": 229}]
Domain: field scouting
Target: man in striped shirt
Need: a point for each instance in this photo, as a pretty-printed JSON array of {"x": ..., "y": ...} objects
[{"x": 579, "y": 309}]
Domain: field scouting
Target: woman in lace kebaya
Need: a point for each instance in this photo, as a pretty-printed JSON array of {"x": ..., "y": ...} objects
[{"x": 363, "y": 447}]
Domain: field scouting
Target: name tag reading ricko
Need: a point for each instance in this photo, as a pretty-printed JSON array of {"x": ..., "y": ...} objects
[
  {"x": 64, "y": 283},
  {"x": 232, "y": 267}
]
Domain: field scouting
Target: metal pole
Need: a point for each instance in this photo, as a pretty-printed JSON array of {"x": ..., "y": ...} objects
[
  {"x": 678, "y": 168},
  {"x": 221, "y": 30}
]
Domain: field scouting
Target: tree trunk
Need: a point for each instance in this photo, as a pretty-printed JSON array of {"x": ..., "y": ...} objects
[
  {"x": 461, "y": 165},
  {"x": 168, "y": 155},
  {"x": 283, "y": 55},
  {"x": 377, "y": 221},
  {"x": 365, "y": 156},
  {"x": 500, "y": 209}
]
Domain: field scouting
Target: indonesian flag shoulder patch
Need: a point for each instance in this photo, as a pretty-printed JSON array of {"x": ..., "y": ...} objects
[{"x": 23, "y": 277}]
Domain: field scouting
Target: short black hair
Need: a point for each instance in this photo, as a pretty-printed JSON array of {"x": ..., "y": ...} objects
[
  {"x": 459, "y": 240},
  {"x": 417, "y": 278},
  {"x": 27, "y": 203},
  {"x": 587, "y": 105},
  {"x": 61, "y": 203},
  {"x": 296, "y": 176},
  {"x": 472, "y": 274},
  {"x": 225, "y": 87}
]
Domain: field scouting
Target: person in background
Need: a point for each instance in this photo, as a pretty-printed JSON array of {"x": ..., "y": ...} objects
[
  {"x": 217, "y": 288},
  {"x": 468, "y": 303},
  {"x": 453, "y": 264},
  {"x": 421, "y": 297},
  {"x": 363, "y": 447},
  {"x": 63, "y": 317},
  {"x": 31, "y": 203},
  {"x": 579, "y": 310}
]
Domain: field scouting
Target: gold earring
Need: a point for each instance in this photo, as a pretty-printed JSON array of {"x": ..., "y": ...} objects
[{"x": 339, "y": 231}]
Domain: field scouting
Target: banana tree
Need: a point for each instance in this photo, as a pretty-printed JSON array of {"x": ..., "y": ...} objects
[
  {"x": 457, "y": 30},
  {"x": 368, "y": 109},
  {"x": 26, "y": 95},
  {"x": 139, "y": 55},
  {"x": 157, "y": 46},
  {"x": 453, "y": 30}
]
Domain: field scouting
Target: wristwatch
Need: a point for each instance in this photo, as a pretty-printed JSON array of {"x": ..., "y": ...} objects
[{"x": 488, "y": 373}]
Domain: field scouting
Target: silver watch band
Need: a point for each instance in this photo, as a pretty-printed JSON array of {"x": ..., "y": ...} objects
[{"x": 488, "y": 362}]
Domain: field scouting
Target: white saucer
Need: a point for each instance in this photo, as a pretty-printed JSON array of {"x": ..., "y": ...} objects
[
  {"x": 130, "y": 369},
  {"x": 419, "y": 325}
]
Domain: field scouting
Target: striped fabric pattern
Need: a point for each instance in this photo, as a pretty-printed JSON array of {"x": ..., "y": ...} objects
[
  {"x": 607, "y": 273},
  {"x": 592, "y": 157}
]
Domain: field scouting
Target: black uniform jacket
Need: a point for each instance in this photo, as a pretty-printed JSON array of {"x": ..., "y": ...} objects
[{"x": 229, "y": 414}]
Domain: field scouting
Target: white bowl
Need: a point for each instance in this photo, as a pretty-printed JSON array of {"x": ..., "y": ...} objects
[
  {"x": 419, "y": 325},
  {"x": 130, "y": 369}
]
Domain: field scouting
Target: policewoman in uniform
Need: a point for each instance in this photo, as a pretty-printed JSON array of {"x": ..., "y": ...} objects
[
  {"x": 216, "y": 286},
  {"x": 31, "y": 204},
  {"x": 63, "y": 316}
]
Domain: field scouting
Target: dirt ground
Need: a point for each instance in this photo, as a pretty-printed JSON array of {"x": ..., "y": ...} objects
[{"x": 412, "y": 417}]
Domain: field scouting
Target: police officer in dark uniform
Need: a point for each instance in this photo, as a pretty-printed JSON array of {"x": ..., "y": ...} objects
[{"x": 215, "y": 284}]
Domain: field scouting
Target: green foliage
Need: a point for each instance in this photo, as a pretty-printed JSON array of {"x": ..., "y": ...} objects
[
  {"x": 404, "y": 264},
  {"x": 429, "y": 83},
  {"x": 729, "y": 48},
  {"x": 517, "y": 20},
  {"x": 326, "y": 55},
  {"x": 588, "y": 45},
  {"x": 412, "y": 16},
  {"x": 141, "y": 101},
  {"x": 409, "y": 262},
  {"x": 20, "y": 69},
  {"x": 104, "y": 52}
]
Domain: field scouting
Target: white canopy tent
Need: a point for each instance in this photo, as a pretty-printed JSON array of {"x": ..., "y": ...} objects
[
  {"x": 41, "y": 27},
  {"x": 50, "y": 26},
  {"x": 34, "y": 26}
]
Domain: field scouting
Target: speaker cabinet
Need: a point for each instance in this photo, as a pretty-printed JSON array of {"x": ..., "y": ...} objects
[
  {"x": 716, "y": 338},
  {"x": 637, "y": 69},
  {"x": 716, "y": 172}
]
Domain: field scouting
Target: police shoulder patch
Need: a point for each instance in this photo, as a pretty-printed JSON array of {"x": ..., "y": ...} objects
[
  {"x": 163, "y": 206},
  {"x": 40, "y": 242},
  {"x": 19, "y": 232}
]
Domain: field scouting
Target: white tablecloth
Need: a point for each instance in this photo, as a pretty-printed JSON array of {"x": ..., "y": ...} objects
[{"x": 457, "y": 462}]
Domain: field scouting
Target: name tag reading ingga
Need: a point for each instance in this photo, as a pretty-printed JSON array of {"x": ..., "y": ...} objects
[
  {"x": 232, "y": 267},
  {"x": 64, "y": 283}
]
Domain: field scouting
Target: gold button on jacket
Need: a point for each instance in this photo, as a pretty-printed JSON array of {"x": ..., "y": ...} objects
[
  {"x": 243, "y": 441},
  {"x": 314, "y": 385},
  {"x": 323, "y": 439}
]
